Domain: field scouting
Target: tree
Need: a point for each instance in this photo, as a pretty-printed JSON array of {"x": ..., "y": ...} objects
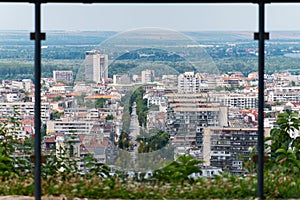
[
  {"x": 14, "y": 153},
  {"x": 153, "y": 143},
  {"x": 58, "y": 98},
  {"x": 100, "y": 103},
  {"x": 141, "y": 105},
  {"x": 56, "y": 115},
  {"x": 123, "y": 141},
  {"x": 292, "y": 83},
  {"x": 283, "y": 145},
  {"x": 179, "y": 170},
  {"x": 109, "y": 117}
]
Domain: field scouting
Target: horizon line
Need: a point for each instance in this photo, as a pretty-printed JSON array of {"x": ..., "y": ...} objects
[{"x": 111, "y": 30}]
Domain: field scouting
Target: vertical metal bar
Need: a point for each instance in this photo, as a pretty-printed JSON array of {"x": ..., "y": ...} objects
[
  {"x": 37, "y": 102},
  {"x": 261, "y": 66}
]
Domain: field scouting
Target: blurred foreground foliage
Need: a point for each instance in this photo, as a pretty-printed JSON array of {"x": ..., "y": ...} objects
[{"x": 60, "y": 176}]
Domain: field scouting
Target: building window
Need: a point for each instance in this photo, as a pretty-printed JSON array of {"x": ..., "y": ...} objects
[{"x": 71, "y": 150}]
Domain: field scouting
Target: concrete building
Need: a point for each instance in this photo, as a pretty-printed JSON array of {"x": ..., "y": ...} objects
[
  {"x": 170, "y": 81},
  {"x": 189, "y": 82},
  {"x": 13, "y": 97},
  {"x": 283, "y": 94},
  {"x": 67, "y": 146},
  {"x": 65, "y": 76},
  {"x": 69, "y": 126},
  {"x": 96, "y": 66},
  {"x": 148, "y": 76},
  {"x": 25, "y": 109},
  {"x": 235, "y": 100},
  {"x": 121, "y": 79},
  {"x": 224, "y": 147},
  {"x": 157, "y": 98},
  {"x": 60, "y": 89},
  {"x": 188, "y": 115}
]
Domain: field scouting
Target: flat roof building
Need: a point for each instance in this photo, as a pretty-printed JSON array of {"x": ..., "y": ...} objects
[{"x": 96, "y": 66}]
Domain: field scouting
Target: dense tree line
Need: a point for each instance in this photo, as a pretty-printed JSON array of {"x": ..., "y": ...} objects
[
  {"x": 24, "y": 69},
  {"x": 151, "y": 54},
  {"x": 124, "y": 140},
  {"x": 153, "y": 143},
  {"x": 12, "y": 70},
  {"x": 118, "y": 67},
  {"x": 141, "y": 105}
]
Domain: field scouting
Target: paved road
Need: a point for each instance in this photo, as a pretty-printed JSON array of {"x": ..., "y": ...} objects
[
  {"x": 134, "y": 123},
  {"x": 134, "y": 133}
]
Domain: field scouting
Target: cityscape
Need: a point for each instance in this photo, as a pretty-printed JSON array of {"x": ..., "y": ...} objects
[
  {"x": 152, "y": 100},
  {"x": 139, "y": 101},
  {"x": 207, "y": 114}
]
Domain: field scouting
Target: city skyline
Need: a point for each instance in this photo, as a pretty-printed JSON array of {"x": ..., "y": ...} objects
[{"x": 122, "y": 17}]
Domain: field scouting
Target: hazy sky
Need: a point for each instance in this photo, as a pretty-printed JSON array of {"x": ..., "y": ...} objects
[{"x": 122, "y": 17}]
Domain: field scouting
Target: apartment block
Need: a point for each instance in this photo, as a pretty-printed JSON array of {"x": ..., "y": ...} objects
[
  {"x": 283, "y": 94},
  {"x": 69, "y": 126},
  {"x": 189, "y": 82},
  {"x": 188, "y": 115},
  {"x": 225, "y": 147},
  {"x": 148, "y": 76},
  {"x": 96, "y": 66},
  {"x": 235, "y": 100},
  {"x": 25, "y": 109},
  {"x": 121, "y": 79},
  {"x": 63, "y": 76}
]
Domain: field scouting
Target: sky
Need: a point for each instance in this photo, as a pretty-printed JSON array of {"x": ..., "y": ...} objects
[{"x": 123, "y": 17}]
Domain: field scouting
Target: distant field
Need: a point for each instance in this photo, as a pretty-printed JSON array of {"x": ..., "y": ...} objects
[{"x": 221, "y": 50}]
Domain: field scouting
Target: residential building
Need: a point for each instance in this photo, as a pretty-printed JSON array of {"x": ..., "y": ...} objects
[
  {"x": 283, "y": 94},
  {"x": 69, "y": 126},
  {"x": 228, "y": 147},
  {"x": 96, "y": 66},
  {"x": 170, "y": 81},
  {"x": 188, "y": 115},
  {"x": 67, "y": 146},
  {"x": 236, "y": 100},
  {"x": 148, "y": 76},
  {"x": 13, "y": 97},
  {"x": 189, "y": 82},
  {"x": 121, "y": 79},
  {"x": 65, "y": 76},
  {"x": 24, "y": 109}
]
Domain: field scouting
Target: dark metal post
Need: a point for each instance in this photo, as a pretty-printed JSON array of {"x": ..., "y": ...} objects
[
  {"x": 261, "y": 66},
  {"x": 37, "y": 102}
]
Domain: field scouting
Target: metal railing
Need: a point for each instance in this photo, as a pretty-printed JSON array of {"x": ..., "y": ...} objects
[{"x": 261, "y": 36}]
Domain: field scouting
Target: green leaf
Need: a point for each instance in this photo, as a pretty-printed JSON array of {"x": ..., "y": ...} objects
[{"x": 281, "y": 150}]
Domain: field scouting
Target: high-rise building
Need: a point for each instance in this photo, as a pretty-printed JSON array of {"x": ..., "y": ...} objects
[
  {"x": 188, "y": 115},
  {"x": 148, "y": 76},
  {"x": 189, "y": 82},
  {"x": 96, "y": 66},
  {"x": 63, "y": 76},
  {"x": 228, "y": 147}
]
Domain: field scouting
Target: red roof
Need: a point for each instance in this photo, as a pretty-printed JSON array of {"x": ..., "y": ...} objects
[
  {"x": 99, "y": 96},
  {"x": 73, "y": 94},
  {"x": 50, "y": 140}
]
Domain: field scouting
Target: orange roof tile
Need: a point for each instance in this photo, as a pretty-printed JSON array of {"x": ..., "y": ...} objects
[
  {"x": 99, "y": 96},
  {"x": 50, "y": 140}
]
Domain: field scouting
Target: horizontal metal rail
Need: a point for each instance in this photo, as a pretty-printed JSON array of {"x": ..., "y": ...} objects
[
  {"x": 38, "y": 36},
  {"x": 150, "y": 1}
]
